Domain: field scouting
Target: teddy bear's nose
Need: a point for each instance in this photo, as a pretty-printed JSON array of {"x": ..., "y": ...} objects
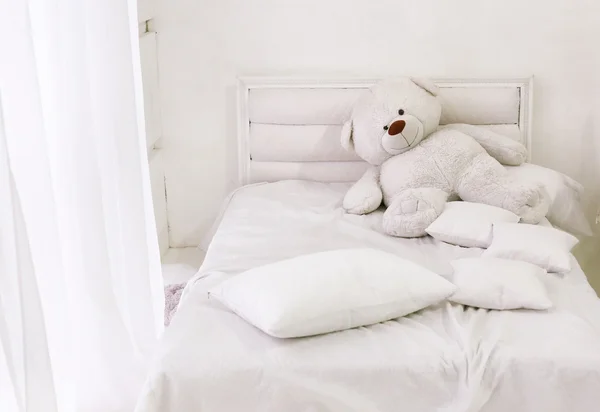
[{"x": 396, "y": 127}]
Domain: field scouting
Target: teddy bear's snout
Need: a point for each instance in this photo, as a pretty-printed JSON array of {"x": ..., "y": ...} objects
[{"x": 397, "y": 127}]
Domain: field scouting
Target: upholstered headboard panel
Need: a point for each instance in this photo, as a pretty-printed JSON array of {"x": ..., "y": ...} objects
[{"x": 290, "y": 128}]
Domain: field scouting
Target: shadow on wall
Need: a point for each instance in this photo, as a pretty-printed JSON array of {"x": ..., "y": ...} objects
[{"x": 587, "y": 251}]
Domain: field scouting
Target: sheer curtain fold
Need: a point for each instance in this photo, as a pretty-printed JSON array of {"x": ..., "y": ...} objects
[{"x": 80, "y": 283}]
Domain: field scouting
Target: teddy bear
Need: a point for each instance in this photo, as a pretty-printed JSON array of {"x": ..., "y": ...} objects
[{"x": 418, "y": 165}]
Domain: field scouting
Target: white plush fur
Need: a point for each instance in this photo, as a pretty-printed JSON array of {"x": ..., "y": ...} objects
[{"x": 415, "y": 171}]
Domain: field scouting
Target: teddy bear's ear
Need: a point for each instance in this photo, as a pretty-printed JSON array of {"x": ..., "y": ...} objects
[
  {"x": 426, "y": 84},
  {"x": 346, "y": 136}
]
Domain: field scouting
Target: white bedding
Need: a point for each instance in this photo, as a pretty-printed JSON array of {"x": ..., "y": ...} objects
[{"x": 444, "y": 358}]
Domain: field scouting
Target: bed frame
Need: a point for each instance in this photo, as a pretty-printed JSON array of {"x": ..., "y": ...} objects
[{"x": 289, "y": 128}]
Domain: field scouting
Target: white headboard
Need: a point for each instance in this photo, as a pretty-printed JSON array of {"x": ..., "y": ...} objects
[{"x": 290, "y": 128}]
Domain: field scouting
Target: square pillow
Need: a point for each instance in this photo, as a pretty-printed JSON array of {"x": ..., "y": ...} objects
[
  {"x": 545, "y": 247},
  {"x": 330, "y": 291},
  {"x": 500, "y": 284},
  {"x": 468, "y": 224},
  {"x": 563, "y": 192}
]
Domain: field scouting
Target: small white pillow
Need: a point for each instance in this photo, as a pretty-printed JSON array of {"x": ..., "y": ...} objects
[
  {"x": 545, "y": 247},
  {"x": 564, "y": 194},
  {"x": 468, "y": 224},
  {"x": 492, "y": 283},
  {"x": 330, "y": 291}
]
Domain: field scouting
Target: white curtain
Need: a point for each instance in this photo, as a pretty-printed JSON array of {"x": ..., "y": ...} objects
[{"x": 81, "y": 298}]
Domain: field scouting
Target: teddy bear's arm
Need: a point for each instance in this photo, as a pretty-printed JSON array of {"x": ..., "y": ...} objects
[
  {"x": 364, "y": 196},
  {"x": 504, "y": 149}
]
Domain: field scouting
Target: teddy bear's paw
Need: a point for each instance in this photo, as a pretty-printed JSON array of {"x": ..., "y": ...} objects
[
  {"x": 412, "y": 211},
  {"x": 365, "y": 195},
  {"x": 361, "y": 203},
  {"x": 531, "y": 203}
]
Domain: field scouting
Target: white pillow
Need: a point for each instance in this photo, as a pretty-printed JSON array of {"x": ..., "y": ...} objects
[
  {"x": 468, "y": 224},
  {"x": 545, "y": 247},
  {"x": 330, "y": 291},
  {"x": 492, "y": 283},
  {"x": 564, "y": 194}
]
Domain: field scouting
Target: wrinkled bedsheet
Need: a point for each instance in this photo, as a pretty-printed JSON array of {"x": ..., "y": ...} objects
[{"x": 444, "y": 358}]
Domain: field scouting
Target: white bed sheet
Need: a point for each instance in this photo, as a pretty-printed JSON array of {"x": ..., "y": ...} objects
[{"x": 444, "y": 358}]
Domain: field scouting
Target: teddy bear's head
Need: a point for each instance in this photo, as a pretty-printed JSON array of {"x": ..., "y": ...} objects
[{"x": 392, "y": 117}]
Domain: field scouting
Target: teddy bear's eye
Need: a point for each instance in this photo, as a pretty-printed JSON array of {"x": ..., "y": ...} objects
[
  {"x": 400, "y": 112},
  {"x": 385, "y": 127}
]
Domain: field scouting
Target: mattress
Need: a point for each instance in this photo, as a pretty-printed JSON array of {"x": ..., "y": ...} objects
[{"x": 444, "y": 358}]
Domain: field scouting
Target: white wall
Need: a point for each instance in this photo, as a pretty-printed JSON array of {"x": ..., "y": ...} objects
[
  {"x": 146, "y": 10},
  {"x": 204, "y": 45}
]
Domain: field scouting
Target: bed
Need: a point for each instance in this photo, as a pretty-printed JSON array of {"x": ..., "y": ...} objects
[{"x": 445, "y": 358}]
